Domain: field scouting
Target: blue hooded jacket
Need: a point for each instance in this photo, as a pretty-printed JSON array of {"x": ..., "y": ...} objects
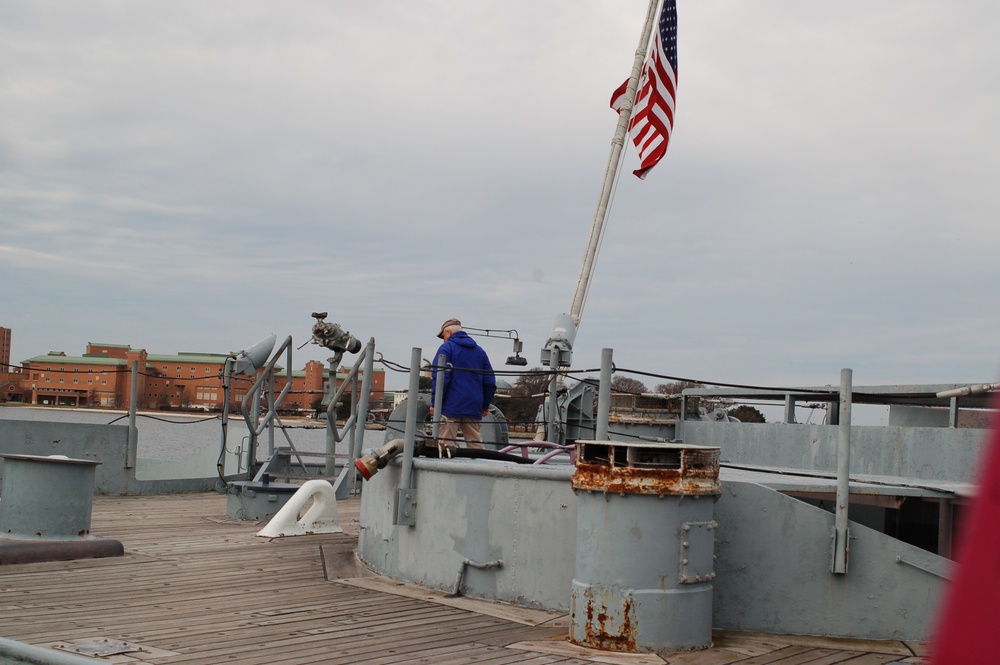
[{"x": 466, "y": 393}]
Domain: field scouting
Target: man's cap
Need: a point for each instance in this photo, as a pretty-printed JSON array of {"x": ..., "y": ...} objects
[{"x": 448, "y": 324}]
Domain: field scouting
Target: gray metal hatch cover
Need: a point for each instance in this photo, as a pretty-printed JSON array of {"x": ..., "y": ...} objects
[{"x": 99, "y": 647}]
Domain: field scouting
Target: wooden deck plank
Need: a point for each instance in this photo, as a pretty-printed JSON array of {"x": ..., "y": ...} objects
[
  {"x": 196, "y": 587},
  {"x": 872, "y": 659}
]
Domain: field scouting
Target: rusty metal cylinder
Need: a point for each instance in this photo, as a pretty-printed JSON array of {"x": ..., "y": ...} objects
[
  {"x": 46, "y": 498},
  {"x": 645, "y": 546}
]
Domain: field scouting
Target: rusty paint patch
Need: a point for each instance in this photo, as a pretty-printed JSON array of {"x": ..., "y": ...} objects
[
  {"x": 663, "y": 469},
  {"x": 600, "y": 634},
  {"x": 629, "y": 480}
]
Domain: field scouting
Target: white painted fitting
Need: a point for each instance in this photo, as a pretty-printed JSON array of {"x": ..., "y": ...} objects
[{"x": 320, "y": 518}]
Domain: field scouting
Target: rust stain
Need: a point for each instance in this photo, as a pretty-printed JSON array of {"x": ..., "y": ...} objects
[
  {"x": 599, "y": 635},
  {"x": 611, "y": 467},
  {"x": 638, "y": 480}
]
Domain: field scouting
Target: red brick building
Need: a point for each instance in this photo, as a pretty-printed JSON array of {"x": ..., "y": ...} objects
[
  {"x": 10, "y": 376},
  {"x": 102, "y": 377}
]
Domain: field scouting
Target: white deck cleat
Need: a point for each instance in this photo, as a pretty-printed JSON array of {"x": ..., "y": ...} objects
[{"x": 320, "y": 518}]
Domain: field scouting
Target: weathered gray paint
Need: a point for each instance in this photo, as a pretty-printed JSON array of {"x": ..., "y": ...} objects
[
  {"x": 774, "y": 552},
  {"x": 480, "y": 511},
  {"x": 46, "y": 498},
  {"x": 773, "y": 573},
  {"x": 644, "y": 570},
  {"x": 107, "y": 444},
  {"x": 930, "y": 453}
]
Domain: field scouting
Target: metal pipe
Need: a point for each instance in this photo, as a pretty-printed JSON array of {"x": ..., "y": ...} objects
[
  {"x": 256, "y": 425},
  {"x": 604, "y": 395},
  {"x": 438, "y": 401},
  {"x": 359, "y": 415},
  {"x": 789, "y": 409},
  {"x": 969, "y": 390},
  {"x": 487, "y": 469},
  {"x": 936, "y": 573},
  {"x": 227, "y": 369},
  {"x": 18, "y": 652},
  {"x": 466, "y": 563},
  {"x": 553, "y": 432},
  {"x": 332, "y": 435},
  {"x": 841, "y": 532}
]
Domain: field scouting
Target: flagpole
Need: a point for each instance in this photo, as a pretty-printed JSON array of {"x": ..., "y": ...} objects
[{"x": 617, "y": 145}]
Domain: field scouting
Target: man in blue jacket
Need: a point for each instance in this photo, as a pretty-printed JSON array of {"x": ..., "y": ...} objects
[{"x": 468, "y": 384}]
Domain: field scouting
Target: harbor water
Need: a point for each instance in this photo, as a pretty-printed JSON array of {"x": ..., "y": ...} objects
[{"x": 171, "y": 443}]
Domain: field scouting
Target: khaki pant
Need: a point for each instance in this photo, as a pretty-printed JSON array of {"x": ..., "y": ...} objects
[{"x": 470, "y": 430}]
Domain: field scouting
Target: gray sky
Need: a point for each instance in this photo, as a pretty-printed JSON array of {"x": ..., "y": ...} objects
[{"x": 193, "y": 176}]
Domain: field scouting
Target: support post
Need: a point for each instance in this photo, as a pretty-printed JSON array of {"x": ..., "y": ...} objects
[
  {"x": 438, "y": 401},
  {"x": 348, "y": 475},
  {"x": 406, "y": 495},
  {"x": 946, "y": 520},
  {"x": 604, "y": 395},
  {"x": 611, "y": 170},
  {"x": 554, "y": 429},
  {"x": 133, "y": 432},
  {"x": 789, "y": 409},
  {"x": 841, "y": 536},
  {"x": 953, "y": 412}
]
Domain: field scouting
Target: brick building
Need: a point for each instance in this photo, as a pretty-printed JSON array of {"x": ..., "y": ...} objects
[
  {"x": 10, "y": 376},
  {"x": 102, "y": 377}
]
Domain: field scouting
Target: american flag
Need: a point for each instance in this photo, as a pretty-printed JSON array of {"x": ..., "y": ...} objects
[{"x": 652, "y": 120}]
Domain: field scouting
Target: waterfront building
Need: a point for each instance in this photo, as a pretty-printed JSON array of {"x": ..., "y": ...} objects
[{"x": 102, "y": 377}]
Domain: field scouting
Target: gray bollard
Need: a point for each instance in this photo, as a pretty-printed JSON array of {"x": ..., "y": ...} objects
[
  {"x": 645, "y": 546},
  {"x": 46, "y": 498}
]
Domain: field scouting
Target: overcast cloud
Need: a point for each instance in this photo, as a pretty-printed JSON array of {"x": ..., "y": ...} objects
[{"x": 193, "y": 176}]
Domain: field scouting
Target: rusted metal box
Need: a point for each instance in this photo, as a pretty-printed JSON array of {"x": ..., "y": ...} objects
[{"x": 645, "y": 546}]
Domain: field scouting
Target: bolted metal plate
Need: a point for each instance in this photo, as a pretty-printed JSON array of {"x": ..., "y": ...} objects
[
  {"x": 99, "y": 647},
  {"x": 697, "y": 552}
]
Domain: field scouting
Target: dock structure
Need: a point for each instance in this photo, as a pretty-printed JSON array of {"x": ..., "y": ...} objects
[{"x": 197, "y": 587}]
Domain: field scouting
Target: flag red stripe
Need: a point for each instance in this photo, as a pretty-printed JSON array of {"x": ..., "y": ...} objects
[{"x": 652, "y": 121}]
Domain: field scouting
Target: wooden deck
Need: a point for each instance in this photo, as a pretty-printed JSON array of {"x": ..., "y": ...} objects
[{"x": 197, "y": 587}]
